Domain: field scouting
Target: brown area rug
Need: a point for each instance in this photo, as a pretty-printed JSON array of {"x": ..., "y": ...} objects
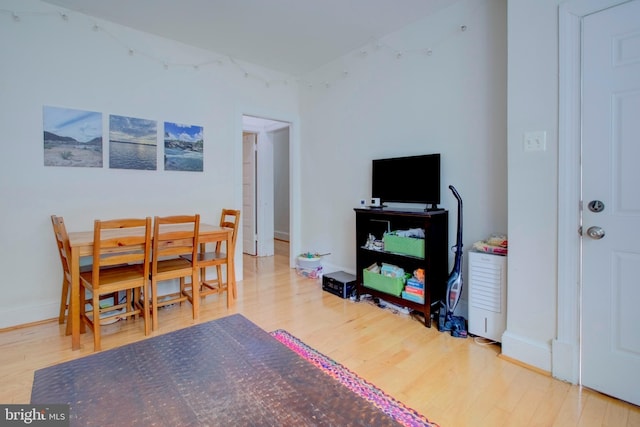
[{"x": 227, "y": 372}]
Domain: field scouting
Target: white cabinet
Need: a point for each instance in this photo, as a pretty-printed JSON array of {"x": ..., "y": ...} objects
[{"x": 487, "y": 295}]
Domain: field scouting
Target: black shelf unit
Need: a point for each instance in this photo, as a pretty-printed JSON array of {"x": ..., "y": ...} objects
[{"x": 435, "y": 262}]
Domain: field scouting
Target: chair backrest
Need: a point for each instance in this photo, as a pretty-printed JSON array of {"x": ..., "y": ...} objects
[
  {"x": 121, "y": 241},
  {"x": 230, "y": 218},
  {"x": 62, "y": 240},
  {"x": 174, "y": 236}
]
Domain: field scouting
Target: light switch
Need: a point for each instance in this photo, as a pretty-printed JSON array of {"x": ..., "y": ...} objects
[{"x": 535, "y": 141}]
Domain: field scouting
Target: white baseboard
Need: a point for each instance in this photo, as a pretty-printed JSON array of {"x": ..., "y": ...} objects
[
  {"x": 26, "y": 315},
  {"x": 51, "y": 310},
  {"x": 330, "y": 268},
  {"x": 527, "y": 351},
  {"x": 281, "y": 235}
]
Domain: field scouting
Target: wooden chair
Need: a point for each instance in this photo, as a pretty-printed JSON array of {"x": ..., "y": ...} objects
[
  {"x": 229, "y": 218},
  {"x": 62, "y": 241},
  {"x": 119, "y": 264},
  {"x": 178, "y": 239}
]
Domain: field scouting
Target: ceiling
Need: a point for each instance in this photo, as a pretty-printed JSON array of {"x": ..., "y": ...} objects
[{"x": 290, "y": 36}]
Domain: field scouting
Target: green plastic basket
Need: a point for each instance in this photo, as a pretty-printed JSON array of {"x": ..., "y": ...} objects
[
  {"x": 404, "y": 245},
  {"x": 386, "y": 284}
]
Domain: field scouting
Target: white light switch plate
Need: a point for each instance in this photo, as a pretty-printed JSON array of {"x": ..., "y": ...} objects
[{"x": 535, "y": 141}]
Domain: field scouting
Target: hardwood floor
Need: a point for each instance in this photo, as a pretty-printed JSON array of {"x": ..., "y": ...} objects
[{"x": 452, "y": 381}]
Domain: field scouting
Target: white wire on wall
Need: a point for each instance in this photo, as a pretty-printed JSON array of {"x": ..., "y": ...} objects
[{"x": 377, "y": 46}]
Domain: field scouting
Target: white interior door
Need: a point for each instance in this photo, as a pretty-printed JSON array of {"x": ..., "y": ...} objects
[
  {"x": 249, "y": 193},
  {"x": 611, "y": 202},
  {"x": 264, "y": 198}
]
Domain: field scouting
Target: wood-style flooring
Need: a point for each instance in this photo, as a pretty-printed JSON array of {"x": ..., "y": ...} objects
[{"x": 454, "y": 382}]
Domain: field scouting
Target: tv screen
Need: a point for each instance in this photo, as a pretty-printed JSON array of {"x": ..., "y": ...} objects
[{"x": 413, "y": 179}]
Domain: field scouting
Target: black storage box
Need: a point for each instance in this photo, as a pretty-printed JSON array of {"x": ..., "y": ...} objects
[{"x": 339, "y": 283}]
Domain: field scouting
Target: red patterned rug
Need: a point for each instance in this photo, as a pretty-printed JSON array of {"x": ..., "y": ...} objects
[{"x": 390, "y": 406}]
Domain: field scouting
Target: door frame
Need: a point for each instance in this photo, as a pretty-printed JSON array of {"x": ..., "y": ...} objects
[
  {"x": 264, "y": 200},
  {"x": 566, "y": 348},
  {"x": 294, "y": 169}
]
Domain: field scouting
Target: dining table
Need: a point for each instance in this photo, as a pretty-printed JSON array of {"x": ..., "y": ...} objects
[{"x": 81, "y": 245}]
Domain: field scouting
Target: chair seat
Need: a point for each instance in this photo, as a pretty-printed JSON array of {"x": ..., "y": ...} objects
[
  {"x": 114, "y": 278},
  {"x": 173, "y": 265}
]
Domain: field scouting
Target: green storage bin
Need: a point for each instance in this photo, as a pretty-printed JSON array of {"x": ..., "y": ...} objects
[
  {"x": 386, "y": 284},
  {"x": 404, "y": 245}
]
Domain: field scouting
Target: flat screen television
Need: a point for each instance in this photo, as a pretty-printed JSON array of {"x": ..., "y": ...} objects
[{"x": 412, "y": 179}]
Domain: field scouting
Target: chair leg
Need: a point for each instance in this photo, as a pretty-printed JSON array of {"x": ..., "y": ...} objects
[
  {"x": 96, "y": 321},
  {"x": 203, "y": 277},
  {"x": 232, "y": 284},
  {"x": 141, "y": 296},
  {"x": 82, "y": 309},
  {"x": 63, "y": 300},
  {"x": 183, "y": 289},
  {"x": 129, "y": 298},
  {"x": 224, "y": 285},
  {"x": 195, "y": 292},
  {"x": 68, "y": 327},
  {"x": 154, "y": 305},
  {"x": 64, "y": 307},
  {"x": 219, "y": 273}
]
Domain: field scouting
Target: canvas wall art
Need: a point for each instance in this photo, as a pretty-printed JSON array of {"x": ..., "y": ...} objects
[
  {"x": 72, "y": 137},
  {"x": 183, "y": 147},
  {"x": 133, "y": 143}
]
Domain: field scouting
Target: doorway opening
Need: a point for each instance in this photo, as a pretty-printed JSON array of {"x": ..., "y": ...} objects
[{"x": 265, "y": 184}]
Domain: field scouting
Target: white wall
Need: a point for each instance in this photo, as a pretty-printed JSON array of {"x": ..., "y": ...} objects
[
  {"x": 533, "y": 182},
  {"x": 49, "y": 61},
  {"x": 451, "y": 102}
]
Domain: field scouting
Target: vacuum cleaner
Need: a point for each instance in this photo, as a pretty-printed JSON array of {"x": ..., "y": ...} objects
[{"x": 446, "y": 320}]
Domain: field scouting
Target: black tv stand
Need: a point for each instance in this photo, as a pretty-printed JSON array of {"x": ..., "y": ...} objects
[{"x": 434, "y": 263}]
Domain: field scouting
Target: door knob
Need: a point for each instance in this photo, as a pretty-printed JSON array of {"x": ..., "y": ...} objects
[{"x": 595, "y": 232}]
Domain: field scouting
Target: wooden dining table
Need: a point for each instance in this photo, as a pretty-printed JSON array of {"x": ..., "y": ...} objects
[{"x": 81, "y": 244}]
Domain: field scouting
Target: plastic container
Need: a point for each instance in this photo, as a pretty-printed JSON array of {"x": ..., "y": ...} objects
[
  {"x": 309, "y": 266},
  {"x": 309, "y": 262},
  {"x": 312, "y": 273},
  {"x": 404, "y": 245}
]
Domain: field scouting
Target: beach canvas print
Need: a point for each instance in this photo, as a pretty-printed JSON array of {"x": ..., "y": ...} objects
[
  {"x": 183, "y": 147},
  {"x": 133, "y": 143},
  {"x": 72, "y": 137}
]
